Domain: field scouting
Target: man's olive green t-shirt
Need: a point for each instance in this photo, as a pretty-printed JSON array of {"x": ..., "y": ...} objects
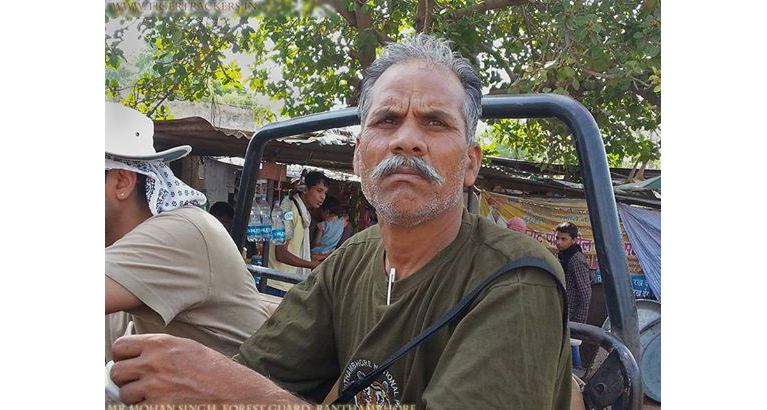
[{"x": 511, "y": 351}]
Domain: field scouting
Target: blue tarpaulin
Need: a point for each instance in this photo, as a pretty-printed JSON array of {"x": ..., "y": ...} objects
[{"x": 643, "y": 229}]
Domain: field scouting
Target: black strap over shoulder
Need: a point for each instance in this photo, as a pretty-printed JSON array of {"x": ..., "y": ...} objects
[{"x": 453, "y": 316}]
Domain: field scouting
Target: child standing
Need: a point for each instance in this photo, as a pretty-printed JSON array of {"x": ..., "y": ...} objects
[{"x": 329, "y": 231}]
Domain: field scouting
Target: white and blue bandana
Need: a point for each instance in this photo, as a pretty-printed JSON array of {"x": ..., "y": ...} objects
[{"x": 164, "y": 192}]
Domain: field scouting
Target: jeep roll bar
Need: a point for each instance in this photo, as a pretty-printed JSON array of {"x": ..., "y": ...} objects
[{"x": 594, "y": 171}]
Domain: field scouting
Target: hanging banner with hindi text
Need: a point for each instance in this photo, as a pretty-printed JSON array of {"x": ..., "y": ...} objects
[{"x": 542, "y": 214}]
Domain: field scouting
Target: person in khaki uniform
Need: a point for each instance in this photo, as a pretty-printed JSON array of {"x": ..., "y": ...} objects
[
  {"x": 170, "y": 267},
  {"x": 419, "y": 108}
]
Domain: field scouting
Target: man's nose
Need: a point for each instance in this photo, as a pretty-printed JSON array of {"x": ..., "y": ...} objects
[{"x": 408, "y": 139}]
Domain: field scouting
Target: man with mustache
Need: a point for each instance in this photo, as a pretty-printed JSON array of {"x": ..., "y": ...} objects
[{"x": 419, "y": 107}]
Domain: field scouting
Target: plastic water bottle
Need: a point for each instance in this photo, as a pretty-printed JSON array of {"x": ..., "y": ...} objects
[
  {"x": 288, "y": 216},
  {"x": 253, "y": 233},
  {"x": 278, "y": 225},
  {"x": 265, "y": 231}
]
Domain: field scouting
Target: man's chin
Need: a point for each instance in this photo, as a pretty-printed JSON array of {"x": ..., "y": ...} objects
[
  {"x": 406, "y": 217},
  {"x": 404, "y": 221}
]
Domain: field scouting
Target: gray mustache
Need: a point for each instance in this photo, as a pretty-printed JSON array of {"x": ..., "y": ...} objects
[{"x": 418, "y": 164}]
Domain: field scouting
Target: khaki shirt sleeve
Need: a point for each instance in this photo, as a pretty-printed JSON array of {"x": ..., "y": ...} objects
[
  {"x": 295, "y": 347},
  {"x": 164, "y": 262},
  {"x": 508, "y": 352}
]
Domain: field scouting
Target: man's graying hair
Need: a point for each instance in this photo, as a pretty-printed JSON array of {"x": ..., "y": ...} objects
[{"x": 433, "y": 50}]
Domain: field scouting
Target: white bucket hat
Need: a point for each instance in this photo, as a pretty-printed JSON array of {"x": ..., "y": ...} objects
[{"x": 130, "y": 135}]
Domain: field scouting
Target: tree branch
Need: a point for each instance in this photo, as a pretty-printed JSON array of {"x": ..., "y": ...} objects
[
  {"x": 420, "y": 15},
  {"x": 363, "y": 23},
  {"x": 354, "y": 96},
  {"x": 648, "y": 94},
  {"x": 354, "y": 21},
  {"x": 382, "y": 38},
  {"x": 175, "y": 84},
  {"x": 428, "y": 18},
  {"x": 596, "y": 73},
  {"x": 338, "y": 6},
  {"x": 644, "y": 84},
  {"x": 365, "y": 28},
  {"x": 170, "y": 91},
  {"x": 499, "y": 59},
  {"x": 485, "y": 6},
  {"x": 565, "y": 47}
]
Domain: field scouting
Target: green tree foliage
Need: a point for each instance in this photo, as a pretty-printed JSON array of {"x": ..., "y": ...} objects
[{"x": 605, "y": 54}]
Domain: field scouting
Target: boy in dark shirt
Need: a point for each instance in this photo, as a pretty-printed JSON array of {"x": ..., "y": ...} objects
[{"x": 577, "y": 275}]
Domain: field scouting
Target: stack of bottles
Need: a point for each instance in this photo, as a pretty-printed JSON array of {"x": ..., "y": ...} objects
[{"x": 265, "y": 223}]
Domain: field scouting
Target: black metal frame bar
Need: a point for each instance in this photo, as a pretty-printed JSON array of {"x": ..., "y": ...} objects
[
  {"x": 267, "y": 273},
  {"x": 594, "y": 170}
]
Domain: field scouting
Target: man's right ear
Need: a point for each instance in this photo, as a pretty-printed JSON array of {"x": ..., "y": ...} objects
[
  {"x": 124, "y": 183},
  {"x": 355, "y": 160}
]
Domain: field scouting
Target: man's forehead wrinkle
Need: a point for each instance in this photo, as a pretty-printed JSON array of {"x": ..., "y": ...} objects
[
  {"x": 434, "y": 104},
  {"x": 420, "y": 88},
  {"x": 393, "y": 94},
  {"x": 420, "y": 103},
  {"x": 388, "y": 106}
]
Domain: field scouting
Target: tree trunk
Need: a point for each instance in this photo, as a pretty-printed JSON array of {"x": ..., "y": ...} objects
[
  {"x": 423, "y": 16},
  {"x": 366, "y": 34}
]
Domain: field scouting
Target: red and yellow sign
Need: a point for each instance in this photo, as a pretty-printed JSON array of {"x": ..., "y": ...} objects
[{"x": 542, "y": 214}]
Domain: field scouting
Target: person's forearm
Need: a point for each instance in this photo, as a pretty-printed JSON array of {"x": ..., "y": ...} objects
[
  {"x": 247, "y": 386},
  {"x": 158, "y": 368},
  {"x": 265, "y": 391},
  {"x": 282, "y": 254}
]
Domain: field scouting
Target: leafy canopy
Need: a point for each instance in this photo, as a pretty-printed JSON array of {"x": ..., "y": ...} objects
[{"x": 605, "y": 54}]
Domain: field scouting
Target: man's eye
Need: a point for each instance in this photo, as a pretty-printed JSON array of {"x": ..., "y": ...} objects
[{"x": 436, "y": 123}]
